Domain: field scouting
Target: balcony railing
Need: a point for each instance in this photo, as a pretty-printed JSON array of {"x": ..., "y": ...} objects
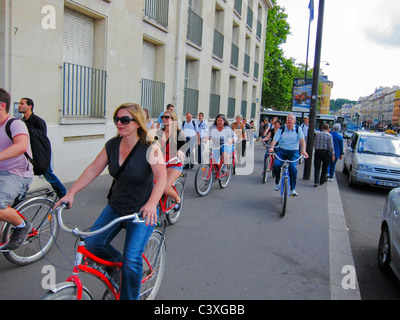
[
  {"x": 235, "y": 56},
  {"x": 231, "y": 107},
  {"x": 153, "y": 94},
  {"x": 191, "y": 102},
  {"x": 84, "y": 91},
  {"x": 215, "y": 101},
  {"x": 157, "y": 10},
  {"x": 249, "y": 21},
  {"x": 246, "y": 68},
  {"x": 243, "y": 109},
  {"x": 218, "y": 48},
  {"x": 195, "y": 28}
]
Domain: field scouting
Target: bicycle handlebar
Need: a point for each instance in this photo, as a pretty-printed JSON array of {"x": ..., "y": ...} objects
[
  {"x": 290, "y": 161},
  {"x": 174, "y": 159},
  {"x": 135, "y": 217}
]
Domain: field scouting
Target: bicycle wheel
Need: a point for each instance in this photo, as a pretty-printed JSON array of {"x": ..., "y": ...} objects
[
  {"x": 203, "y": 180},
  {"x": 153, "y": 266},
  {"x": 267, "y": 164},
  {"x": 224, "y": 181},
  {"x": 173, "y": 216},
  {"x": 67, "y": 293},
  {"x": 44, "y": 232},
  {"x": 284, "y": 196}
]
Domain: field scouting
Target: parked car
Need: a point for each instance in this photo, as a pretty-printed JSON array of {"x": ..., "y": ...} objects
[
  {"x": 389, "y": 242},
  {"x": 373, "y": 158}
]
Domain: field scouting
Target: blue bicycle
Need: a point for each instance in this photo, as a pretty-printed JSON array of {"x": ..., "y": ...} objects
[{"x": 285, "y": 182}]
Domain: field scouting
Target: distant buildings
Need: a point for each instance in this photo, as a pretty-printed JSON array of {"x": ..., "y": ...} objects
[{"x": 380, "y": 108}]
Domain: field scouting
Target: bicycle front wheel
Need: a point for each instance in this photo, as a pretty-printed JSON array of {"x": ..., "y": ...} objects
[
  {"x": 267, "y": 164},
  {"x": 284, "y": 196},
  {"x": 224, "y": 180},
  {"x": 42, "y": 237},
  {"x": 203, "y": 180},
  {"x": 67, "y": 293},
  {"x": 153, "y": 266},
  {"x": 173, "y": 216}
]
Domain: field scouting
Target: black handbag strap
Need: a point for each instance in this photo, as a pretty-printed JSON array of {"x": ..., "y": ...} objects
[{"x": 121, "y": 168}]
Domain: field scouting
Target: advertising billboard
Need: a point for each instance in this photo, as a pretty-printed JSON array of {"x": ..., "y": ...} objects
[{"x": 301, "y": 97}]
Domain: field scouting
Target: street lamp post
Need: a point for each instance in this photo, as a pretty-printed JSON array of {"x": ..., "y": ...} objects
[{"x": 314, "y": 92}]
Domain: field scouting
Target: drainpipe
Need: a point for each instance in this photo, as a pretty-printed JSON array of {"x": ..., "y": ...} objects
[
  {"x": 7, "y": 45},
  {"x": 178, "y": 55}
]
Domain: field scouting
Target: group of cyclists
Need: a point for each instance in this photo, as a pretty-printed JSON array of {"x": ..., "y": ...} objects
[{"x": 143, "y": 164}]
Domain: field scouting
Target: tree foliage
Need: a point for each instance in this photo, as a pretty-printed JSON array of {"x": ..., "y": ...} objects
[{"x": 278, "y": 71}]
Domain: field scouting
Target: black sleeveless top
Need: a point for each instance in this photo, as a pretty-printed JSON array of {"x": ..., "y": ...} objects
[{"x": 133, "y": 188}]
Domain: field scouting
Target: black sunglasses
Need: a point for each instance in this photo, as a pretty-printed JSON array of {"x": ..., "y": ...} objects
[
  {"x": 165, "y": 117},
  {"x": 124, "y": 120}
]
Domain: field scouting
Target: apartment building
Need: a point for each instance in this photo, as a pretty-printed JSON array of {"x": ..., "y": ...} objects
[{"x": 80, "y": 59}]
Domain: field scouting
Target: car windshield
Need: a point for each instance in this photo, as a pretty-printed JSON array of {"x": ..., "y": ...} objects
[{"x": 379, "y": 146}]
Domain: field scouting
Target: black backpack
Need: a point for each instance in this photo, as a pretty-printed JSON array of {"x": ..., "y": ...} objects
[{"x": 41, "y": 148}]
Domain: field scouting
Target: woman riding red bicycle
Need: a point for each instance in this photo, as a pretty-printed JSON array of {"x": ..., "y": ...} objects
[
  {"x": 133, "y": 190},
  {"x": 171, "y": 140}
]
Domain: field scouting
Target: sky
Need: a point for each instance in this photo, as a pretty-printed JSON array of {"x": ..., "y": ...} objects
[{"x": 361, "y": 43}]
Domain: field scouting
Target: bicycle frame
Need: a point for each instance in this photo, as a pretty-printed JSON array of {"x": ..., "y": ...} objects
[
  {"x": 216, "y": 167},
  {"x": 163, "y": 202},
  {"x": 82, "y": 255},
  {"x": 285, "y": 174}
]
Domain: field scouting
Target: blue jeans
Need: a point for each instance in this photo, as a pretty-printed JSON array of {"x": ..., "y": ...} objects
[
  {"x": 55, "y": 183},
  {"x": 332, "y": 167},
  {"x": 286, "y": 155},
  {"x": 136, "y": 239}
]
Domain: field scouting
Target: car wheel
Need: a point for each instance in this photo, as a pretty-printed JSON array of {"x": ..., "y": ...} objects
[
  {"x": 350, "y": 179},
  {"x": 384, "y": 250},
  {"x": 345, "y": 171}
]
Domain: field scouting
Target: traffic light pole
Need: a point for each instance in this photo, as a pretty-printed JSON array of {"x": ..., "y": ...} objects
[{"x": 314, "y": 92}]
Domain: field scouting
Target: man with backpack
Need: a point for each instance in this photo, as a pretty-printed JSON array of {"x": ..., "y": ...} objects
[
  {"x": 290, "y": 136},
  {"x": 16, "y": 172},
  {"x": 34, "y": 122}
]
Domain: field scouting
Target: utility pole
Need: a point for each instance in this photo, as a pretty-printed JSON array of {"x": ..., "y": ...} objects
[{"x": 314, "y": 92}]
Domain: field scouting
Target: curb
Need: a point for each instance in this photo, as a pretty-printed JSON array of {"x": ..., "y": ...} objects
[{"x": 340, "y": 254}]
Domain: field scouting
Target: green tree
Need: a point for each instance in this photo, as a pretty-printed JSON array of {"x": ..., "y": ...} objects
[{"x": 278, "y": 70}]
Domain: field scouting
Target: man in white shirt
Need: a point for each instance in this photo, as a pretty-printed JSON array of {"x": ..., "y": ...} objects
[
  {"x": 192, "y": 134},
  {"x": 203, "y": 130}
]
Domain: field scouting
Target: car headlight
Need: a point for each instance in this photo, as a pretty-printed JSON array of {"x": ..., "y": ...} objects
[{"x": 364, "y": 167}]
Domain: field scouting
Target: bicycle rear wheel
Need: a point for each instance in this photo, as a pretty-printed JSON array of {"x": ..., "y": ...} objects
[
  {"x": 203, "y": 180},
  {"x": 173, "y": 216},
  {"x": 284, "y": 196},
  {"x": 153, "y": 266},
  {"x": 42, "y": 237}
]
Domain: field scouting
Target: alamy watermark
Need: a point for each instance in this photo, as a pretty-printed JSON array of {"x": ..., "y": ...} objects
[{"x": 49, "y": 21}]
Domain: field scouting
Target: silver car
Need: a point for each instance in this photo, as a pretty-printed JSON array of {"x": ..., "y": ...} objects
[
  {"x": 389, "y": 242},
  {"x": 374, "y": 159}
]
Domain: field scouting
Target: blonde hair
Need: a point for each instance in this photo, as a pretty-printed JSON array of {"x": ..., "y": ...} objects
[{"x": 138, "y": 114}]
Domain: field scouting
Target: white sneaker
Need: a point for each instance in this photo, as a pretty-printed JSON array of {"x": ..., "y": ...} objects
[
  {"x": 330, "y": 179},
  {"x": 277, "y": 187},
  {"x": 294, "y": 193}
]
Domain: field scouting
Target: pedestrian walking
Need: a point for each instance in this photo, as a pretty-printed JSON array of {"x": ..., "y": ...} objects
[
  {"x": 323, "y": 145},
  {"x": 192, "y": 135},
  {"x": 338, "y": 148},
  {"x": 25, "y": 107},
  {"x": 203, "y": 131}
]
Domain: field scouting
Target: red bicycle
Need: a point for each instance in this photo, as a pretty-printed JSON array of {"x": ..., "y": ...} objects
[
  {"x": 206, "y": 174},
  {"x": 110, "y": 272},
  {"x": 268, "y": 164}
]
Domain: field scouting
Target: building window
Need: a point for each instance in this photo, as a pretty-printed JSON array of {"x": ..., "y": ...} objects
[{"x": 84, "y": 87}]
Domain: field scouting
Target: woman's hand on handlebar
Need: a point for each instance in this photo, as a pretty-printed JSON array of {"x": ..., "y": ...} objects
[
  {"x": 149, "y": 213},
  {"x": 68, "y": 198}
]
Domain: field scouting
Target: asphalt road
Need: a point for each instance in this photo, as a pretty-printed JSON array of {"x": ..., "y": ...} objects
[
  {"x": 232, "y": 244},
  {"x": 363, "y": 206}
]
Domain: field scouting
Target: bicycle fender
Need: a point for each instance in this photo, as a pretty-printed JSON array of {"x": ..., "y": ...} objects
[{"x": 62, "y": 285}]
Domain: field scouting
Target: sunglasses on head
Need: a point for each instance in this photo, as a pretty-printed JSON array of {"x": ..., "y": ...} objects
[
  {"x": 124, "y": 120},
  {"x": 166, "y": 117}
]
